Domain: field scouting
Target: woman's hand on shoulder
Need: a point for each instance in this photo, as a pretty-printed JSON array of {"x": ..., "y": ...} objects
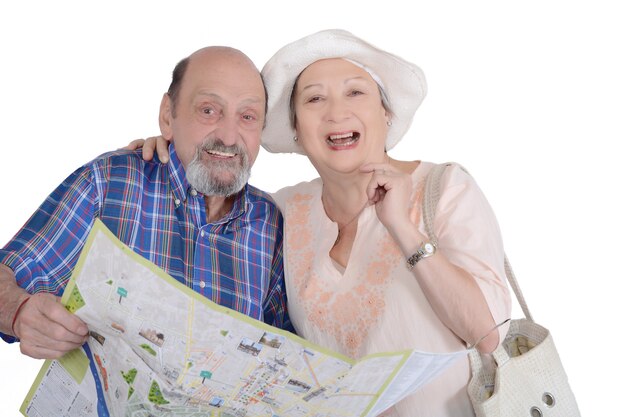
[{"x": 148, "y": 146}]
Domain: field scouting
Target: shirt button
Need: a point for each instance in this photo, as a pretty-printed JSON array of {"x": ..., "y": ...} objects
[
  {"x": 193, "y": 192},
  {"x": 202, "y": 233},
  {"x": 177, "y": 202},
  {"x": 202, "y": 284}
]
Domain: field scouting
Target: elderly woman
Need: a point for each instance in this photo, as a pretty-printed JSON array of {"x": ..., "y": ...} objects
[{"x": 361, "y": 274}]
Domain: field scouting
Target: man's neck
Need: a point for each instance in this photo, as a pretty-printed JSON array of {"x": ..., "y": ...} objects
[{"x": 217, "y": 207}]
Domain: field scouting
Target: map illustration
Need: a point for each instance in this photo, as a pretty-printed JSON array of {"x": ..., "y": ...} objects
[{"x": 157, "y": 348}]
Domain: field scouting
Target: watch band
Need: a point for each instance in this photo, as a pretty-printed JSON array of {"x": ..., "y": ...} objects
[{"x": 425, "y": 250}]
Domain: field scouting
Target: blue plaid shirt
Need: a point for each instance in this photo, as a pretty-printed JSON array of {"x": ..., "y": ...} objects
[{"x": 236, "y": 262}]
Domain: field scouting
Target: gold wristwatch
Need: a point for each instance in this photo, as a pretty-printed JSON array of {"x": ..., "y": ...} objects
[{"x": 425, "y": 250}]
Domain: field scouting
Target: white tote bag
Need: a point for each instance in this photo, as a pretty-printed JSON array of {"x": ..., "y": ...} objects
[{"x": 528, "y": 379}]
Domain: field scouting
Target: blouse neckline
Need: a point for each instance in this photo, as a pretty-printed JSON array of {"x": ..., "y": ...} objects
[{"x": 329, "y": 229}]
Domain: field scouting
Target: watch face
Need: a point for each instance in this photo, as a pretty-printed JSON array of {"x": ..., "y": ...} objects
[{"x": 429, "y": 248}]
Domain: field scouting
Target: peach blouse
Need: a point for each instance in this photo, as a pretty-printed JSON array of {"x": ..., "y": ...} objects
[{"x": 376, "y": 304}]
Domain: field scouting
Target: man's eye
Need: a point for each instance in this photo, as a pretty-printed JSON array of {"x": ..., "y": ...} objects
[
  {"x": 248, "y": 117},
  {"x": 208, "y": 110}
]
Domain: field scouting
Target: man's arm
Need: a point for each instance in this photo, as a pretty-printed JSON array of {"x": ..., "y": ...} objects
[
  {"x": 11, "y": 297},
  {"x": 36, "y": 264},
  {"x": 45, "y": 328}
]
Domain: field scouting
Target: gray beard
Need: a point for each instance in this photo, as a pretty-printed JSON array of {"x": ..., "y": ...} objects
[{"x": 218, "y": 178}]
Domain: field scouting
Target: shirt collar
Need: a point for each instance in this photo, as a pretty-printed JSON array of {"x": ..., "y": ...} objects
[
  {"x": 240, "y": 204},
  {"x": 178, "y": 179}
]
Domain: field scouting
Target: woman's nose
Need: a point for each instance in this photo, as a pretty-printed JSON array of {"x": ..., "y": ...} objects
[{"x": 337, "y": 111}]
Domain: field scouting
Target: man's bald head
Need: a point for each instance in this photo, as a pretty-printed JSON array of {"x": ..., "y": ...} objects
[{"x": 210, "y": 57}]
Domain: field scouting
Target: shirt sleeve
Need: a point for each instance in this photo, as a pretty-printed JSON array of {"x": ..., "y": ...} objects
[
  {"x": 45, "y": 250},
  {"x": 469, "y": 235},
  {"x": 275, "y": 305}
]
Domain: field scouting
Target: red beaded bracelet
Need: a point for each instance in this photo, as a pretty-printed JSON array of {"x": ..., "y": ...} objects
[{"x": 16, "y": 313}]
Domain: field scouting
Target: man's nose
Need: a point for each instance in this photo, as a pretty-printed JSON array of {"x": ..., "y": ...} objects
[{"x": 228, "y": 130}]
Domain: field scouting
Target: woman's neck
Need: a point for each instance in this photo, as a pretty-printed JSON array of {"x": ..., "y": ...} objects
[
  {"x": 344, "y": 194},
  {"x": 344, "y": 198}
]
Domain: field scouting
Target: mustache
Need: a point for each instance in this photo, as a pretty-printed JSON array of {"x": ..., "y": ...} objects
[{"x": 219, "y": 146}]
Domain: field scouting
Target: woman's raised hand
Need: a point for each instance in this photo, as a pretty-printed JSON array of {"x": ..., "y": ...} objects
[{"x": 390, "y": 190}]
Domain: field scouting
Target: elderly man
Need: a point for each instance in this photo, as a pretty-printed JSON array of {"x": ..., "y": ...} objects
[{"x": 196, "y": 217}]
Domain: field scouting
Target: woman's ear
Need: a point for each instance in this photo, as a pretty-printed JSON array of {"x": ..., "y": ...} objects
[
  {"x": 165, "y": 117},
  {"x": 296, "y": 137},
  {"x": 388, "y": 117}
]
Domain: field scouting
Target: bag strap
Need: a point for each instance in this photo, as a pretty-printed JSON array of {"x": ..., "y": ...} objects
[{"x": 432, "y": 193}]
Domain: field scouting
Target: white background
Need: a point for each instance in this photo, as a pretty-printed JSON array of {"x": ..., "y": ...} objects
[{"x": 529, "y": 96}]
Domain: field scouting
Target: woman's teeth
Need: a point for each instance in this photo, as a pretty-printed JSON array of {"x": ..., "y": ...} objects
[{"x": 343, "y": 139}]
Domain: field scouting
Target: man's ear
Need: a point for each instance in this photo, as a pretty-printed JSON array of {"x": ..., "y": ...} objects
[{"x": 165, "y": 117}]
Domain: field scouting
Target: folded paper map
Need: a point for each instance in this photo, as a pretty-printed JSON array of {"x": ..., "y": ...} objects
[{"x": 157, "y": 348}]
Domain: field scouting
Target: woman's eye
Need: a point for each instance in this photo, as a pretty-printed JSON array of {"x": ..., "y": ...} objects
[
  {"x": 355, "y": 93},
  {"x": 314, "y": 99}
]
